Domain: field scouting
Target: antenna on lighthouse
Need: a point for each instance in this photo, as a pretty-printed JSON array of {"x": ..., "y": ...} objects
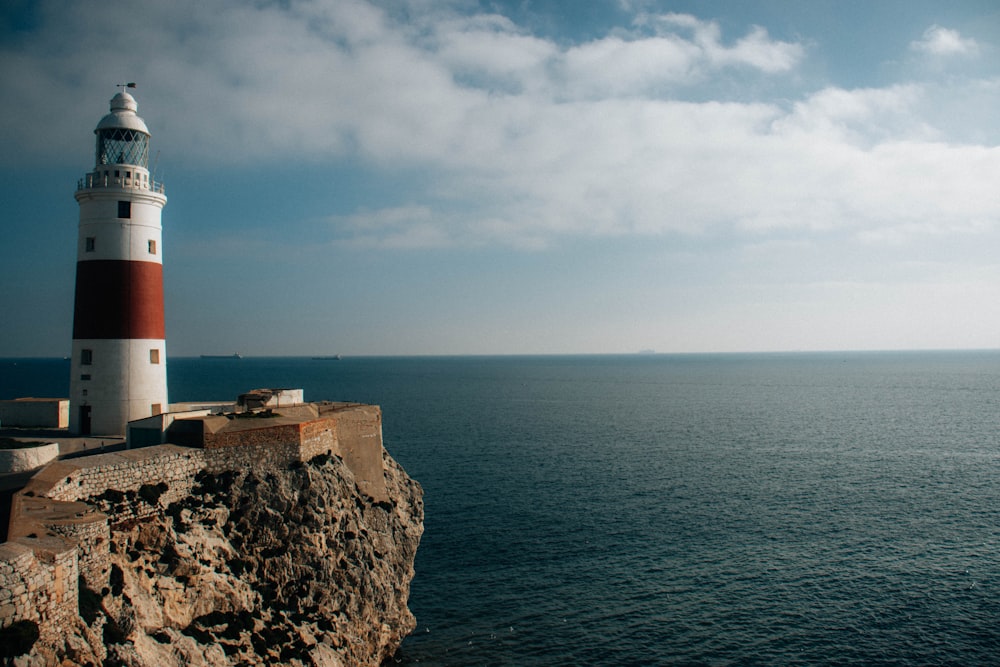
[{"x": 123, "y": 86}]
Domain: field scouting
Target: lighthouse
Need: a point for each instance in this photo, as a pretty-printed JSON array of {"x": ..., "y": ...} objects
[{"x": 119, "y": 362}]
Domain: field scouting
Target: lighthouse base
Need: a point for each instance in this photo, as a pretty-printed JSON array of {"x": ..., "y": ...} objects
[{"x": 114, "y": 382}]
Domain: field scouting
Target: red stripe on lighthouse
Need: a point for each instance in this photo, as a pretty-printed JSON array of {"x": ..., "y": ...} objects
[{"x": 119, "y": 300}]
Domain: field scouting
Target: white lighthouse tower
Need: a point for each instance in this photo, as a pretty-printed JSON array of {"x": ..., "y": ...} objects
[{"x": 119, "y": 364}]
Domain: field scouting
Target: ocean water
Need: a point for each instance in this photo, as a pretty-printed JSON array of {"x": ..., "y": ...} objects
[{"x": 774, "y": 509}]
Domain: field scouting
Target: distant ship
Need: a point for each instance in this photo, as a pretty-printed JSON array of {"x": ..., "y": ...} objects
[
  {"x": 335, "y": 357},
  {"x": 235, "y": 355}
]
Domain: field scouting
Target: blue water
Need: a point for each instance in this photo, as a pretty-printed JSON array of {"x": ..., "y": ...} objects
[{"x": 791, "y": 509}]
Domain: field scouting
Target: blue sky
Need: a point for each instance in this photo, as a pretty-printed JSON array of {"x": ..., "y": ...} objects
[{"x": 433, "y": 177}]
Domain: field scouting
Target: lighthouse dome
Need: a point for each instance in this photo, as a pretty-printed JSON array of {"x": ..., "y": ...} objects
[
  {"x": 123, "y": 116},
  {"x": 122, "y": 137}
]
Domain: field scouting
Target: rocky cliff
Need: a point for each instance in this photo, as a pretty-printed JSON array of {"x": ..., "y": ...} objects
[{"x": 293, "y": 566}]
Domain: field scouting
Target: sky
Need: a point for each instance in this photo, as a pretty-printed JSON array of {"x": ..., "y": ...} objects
[{"x": 445, "y": 177}]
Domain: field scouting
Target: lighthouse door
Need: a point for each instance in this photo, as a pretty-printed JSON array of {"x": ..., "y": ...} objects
[{"x": 84, "y": 420}]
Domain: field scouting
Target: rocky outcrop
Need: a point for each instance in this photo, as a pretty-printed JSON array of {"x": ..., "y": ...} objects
[{"x": 292, "y": 566}]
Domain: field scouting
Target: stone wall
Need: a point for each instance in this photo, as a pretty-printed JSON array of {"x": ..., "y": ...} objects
[
  {"x": 39, "y": 582},
  {"x": 56, "y": 539},
  {"x": 127, "y": 470}
]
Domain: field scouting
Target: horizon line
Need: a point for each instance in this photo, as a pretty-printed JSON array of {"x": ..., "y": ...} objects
[{"x": 640, "y": 353}]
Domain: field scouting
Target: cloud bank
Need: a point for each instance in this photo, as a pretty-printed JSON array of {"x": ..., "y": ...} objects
[{"x": 649, "y": 130}]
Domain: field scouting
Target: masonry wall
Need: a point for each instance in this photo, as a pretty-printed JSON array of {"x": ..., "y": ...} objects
[
  {"x": 39, "y": 582},
  {"x": 319, "y": 437},
  {"x": 281, "y": 436}
]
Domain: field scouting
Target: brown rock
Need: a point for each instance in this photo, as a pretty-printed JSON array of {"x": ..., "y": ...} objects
[{"x": 290, "y": 567}]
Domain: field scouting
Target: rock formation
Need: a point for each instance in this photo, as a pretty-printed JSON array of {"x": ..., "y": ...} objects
[{"x": 293, "y": 566}]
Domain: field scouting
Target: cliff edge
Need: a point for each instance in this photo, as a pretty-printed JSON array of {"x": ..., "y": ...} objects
[{"x": 291, "y": 565}]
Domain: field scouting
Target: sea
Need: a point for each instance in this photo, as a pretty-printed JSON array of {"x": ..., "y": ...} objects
[{"x": 729, "y": 509}]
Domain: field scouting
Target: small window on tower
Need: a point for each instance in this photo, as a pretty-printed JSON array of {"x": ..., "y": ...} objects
[
  {"x": 152, "y": 247},
  {"x": 89, "y": 243},
  {"x": 124, "y": 209},
  {"x": 85, "y": 376},
  {"x": 154, "y": 356},
  {"x": 157, "y": 408},
  {"x": 86, "y": 357}
]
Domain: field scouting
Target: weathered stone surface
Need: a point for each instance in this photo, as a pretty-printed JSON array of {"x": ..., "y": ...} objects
[{"x": 294, "y": 566}]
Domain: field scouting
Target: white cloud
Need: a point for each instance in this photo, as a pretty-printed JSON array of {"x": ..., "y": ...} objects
[
  {"x": 489, "y": 51},
  {"x": 756, "y": 49},
  {"x": 523, "y": 140},
  {"x": 234, "y": 82},
  {"x": 938, "y": 41},
  {"x": 861, "y": 117},
  {"x": 638, "y": 64}
]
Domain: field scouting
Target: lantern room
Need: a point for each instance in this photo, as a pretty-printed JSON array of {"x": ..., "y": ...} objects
[{"x": 122, "y": 137}]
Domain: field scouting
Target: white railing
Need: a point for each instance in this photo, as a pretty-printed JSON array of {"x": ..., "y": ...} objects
[{"x": 95, "y": 180}]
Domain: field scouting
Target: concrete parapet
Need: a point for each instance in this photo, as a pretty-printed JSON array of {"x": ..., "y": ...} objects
[{"x": 27, "y": 458}]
